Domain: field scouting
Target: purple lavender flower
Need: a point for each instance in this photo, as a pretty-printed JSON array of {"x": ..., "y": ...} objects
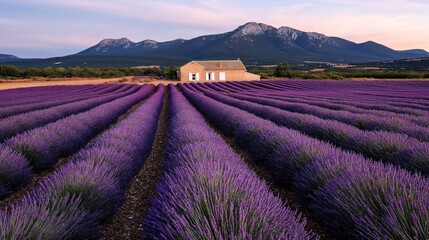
[
  {"x": 15, "y": 171},
  {"x": 207, "y": 192},
  {"x": 72, "y": 202},
  {"x": 352, "y": 196}
]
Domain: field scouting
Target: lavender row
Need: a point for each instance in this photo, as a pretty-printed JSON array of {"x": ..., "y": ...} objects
[
  {"x": 415, "y": 98},
  {"x": 15, "y": 171},
  {"x": 16, "y": 109},
  {"x": 409, "y": 106},
  {"x": 395, "y": 148},
  {"x": 350, "y": 92},
  {"x": 302, "y": 97},
  {"x": 355, "y": 198},
  {"x": 394, "y": 90},
  {"x": 308, "y": 94},
  {"x": 42, "y": 147},
  {"x": 22, "y": 122},
  {"x": 362, "y": 121},
  {"x": 376, "y": 104},
  {"x": 10, "y": 94},
  {"x": 208, "y": 192},
  {"x": 375, "y": 94},
  {"x": 359, "y": 101},
  {"x": 72, "y": 202},
  {"x": 36, "y": 94},
  {"x": 367, "y": 102},
  {"x": 371, "y": 96},
  {"x": 60, "y": 95},
  {"x": 420, "y": 120}
]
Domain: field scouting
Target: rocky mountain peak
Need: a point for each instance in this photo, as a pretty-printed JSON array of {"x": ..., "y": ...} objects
[
  {"x": 253, "y": 29},
  {"x": 288, "y": 33},
  {"x": 115, "y": 42},
  {"x": 317, "y": 36},
  {"x": 109, "y": 42},
  {"x": 148, "y": 43}
]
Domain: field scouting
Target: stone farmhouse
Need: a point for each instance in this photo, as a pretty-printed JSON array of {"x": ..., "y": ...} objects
[{"x": 215, "y": 70}]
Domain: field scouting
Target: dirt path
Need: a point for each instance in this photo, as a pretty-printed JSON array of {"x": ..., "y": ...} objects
[{"x": 126, "y": 223}]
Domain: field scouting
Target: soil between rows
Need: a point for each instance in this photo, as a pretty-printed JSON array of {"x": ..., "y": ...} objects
[{"x": 126, "y": 224}]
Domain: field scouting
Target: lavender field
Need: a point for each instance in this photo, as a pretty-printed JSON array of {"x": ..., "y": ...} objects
[{"x": 296, "y": 159}]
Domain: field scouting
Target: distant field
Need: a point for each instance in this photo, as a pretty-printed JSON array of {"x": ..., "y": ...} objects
[{"x": 297, "y": 159}]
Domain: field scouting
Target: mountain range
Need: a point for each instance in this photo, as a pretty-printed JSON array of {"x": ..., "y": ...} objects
[{"x": 254, "y": 43}]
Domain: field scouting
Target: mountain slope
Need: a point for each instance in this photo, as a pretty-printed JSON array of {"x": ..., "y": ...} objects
[
  {"x": 8, "y": 58},
  {"x": 125, "y": 46},
  {"x": 257, "y": 43},
  {"x": 254, "y": 43}
]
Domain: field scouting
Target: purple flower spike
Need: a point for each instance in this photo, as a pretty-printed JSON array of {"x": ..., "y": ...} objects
[{"x": 15, "y": 171}]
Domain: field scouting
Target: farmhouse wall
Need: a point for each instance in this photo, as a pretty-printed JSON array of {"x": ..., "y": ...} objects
[{"x": 229, "y": 74}]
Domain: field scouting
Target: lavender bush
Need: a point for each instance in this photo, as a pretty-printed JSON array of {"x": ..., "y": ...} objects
[
  {"x": 387, "y": 198},
  {"x": 43, "y": 147},
  {"x": 37, "y": 217},
  {"x": 209, "y": 193},
  {"x": 23, "y": 122},
  {"x": 19, "y": 96},
  {"x": 362, "y": 121},
  {"x": 66, "y": 135},
  {"x": 72, "y": 202},
  {"x": 301, "y": 99},
  {"x": 14, "y": 171},
  {"x": 379, "y": 145},
  {"x": 68, "y": 98}
]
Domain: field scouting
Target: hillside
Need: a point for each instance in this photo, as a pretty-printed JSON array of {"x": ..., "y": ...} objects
[{"x": 8, "y": 58}]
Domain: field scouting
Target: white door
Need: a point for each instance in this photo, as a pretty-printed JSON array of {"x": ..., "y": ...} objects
[{"x": 222, "y": 76}]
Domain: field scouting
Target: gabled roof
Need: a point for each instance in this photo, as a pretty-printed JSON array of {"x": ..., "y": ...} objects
[{"x": 221, "y": 64}]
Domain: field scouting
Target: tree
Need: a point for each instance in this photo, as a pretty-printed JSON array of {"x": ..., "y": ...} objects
[
  {"x": 10, "y": 71},
  {"x": 33, "y": 72},
  {"x": 282, "y": 70},
  {"x": 169, "y": 72}
]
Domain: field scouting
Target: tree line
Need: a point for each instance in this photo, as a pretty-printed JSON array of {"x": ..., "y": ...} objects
[
  {"x": 281, "y": 70},
  {"x": 13, "y": 72}
]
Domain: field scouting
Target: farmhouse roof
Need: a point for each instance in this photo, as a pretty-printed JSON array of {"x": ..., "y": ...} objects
[{"x": 221, "y": 64}]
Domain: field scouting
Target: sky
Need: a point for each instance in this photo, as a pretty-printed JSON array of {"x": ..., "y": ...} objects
[{"x": 48, "y": 28}]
